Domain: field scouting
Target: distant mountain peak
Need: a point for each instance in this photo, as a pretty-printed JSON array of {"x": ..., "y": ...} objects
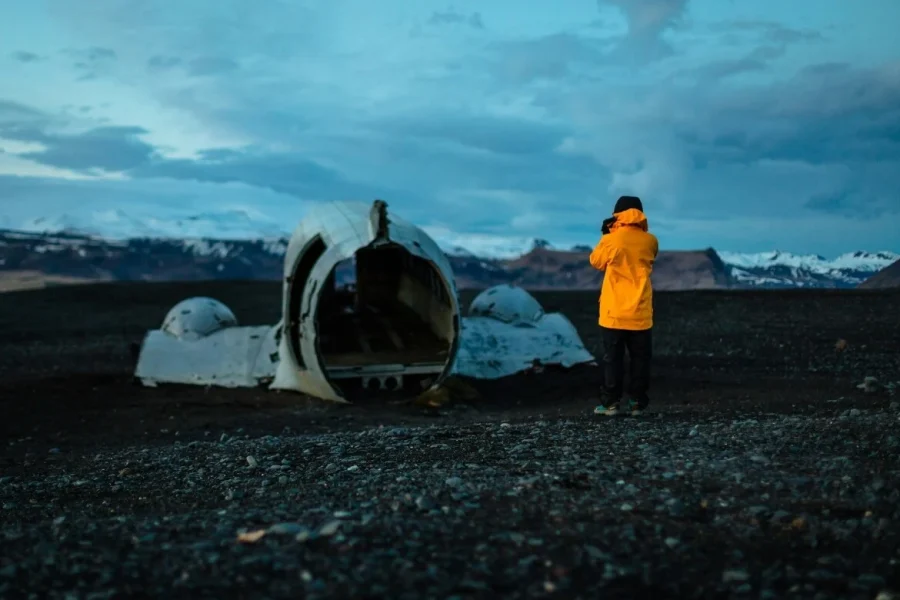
[
  {"x": 785, "y": 269},
  {"x": 459, "y": 251},
  {"x": 118, "y": 224}
]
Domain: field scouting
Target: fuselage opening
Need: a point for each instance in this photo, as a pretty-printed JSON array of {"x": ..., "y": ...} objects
[{"x": 386, "y": 323}]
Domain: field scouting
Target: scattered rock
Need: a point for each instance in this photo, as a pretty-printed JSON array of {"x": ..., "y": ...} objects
[
  {"x": 286, "y": 529},
  {"x": 871, "y": 580},
  {"x": 330, "y": 528},
  {"x": 733, "y": 575},
  {"x": 510, "y": 499},
  {"x": 251, "y": 537},
  {"x": 869, "y": 385}
]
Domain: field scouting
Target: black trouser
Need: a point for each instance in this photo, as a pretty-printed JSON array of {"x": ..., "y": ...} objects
[{"x": 639, "y": 346}]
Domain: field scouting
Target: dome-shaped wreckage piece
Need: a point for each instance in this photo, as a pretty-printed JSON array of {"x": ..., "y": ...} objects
[
  {"x": 507, "y": 331},
  {"x": 508, "y": 304},
  {"x": 197, "y": 317},
  {"x": 200, "y": 343}
]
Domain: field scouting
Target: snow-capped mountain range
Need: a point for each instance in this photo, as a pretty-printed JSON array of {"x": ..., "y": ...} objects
[
  {"x": 119, "y": 225},
  {"x": 235, "y": 225},
  {"x": 231, "y": 242},
  {"x": 783, "y": 269}
]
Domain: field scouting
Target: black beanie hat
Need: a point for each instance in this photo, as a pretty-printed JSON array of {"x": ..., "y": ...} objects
[{"x": 626, "y": 202}]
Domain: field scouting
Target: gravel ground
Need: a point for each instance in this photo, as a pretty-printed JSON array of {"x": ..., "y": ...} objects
[
  {"x": 761, "y": 472},
  {"x": 568, "y": 507}
]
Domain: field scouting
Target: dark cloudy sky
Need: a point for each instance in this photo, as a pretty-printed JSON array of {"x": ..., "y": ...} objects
[{"x": 745, "y": 126}]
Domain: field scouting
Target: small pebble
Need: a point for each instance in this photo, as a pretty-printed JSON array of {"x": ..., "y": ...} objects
[
  {"x": 732, "y": 575},
  {"x": 330, "y": 528}
]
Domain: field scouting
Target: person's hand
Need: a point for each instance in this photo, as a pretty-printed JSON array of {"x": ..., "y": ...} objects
[{"x": 607, "y": 223}]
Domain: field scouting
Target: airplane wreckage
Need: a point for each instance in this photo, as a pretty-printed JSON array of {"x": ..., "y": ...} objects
[{"x": 398, "y": 328}]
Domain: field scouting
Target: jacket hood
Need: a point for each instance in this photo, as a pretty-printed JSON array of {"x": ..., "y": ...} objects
[{"x": 631, "y": 217}]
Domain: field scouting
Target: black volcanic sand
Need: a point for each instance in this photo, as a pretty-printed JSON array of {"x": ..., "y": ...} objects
[{"x": 761, "y": 471}]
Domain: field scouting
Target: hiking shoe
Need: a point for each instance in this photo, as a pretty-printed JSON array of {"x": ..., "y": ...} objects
[
  {"x": 607, "y": 411},
  {"x": 635, "y": 409}
]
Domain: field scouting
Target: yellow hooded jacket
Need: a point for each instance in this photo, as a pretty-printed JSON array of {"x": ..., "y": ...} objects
[{"x": 626, "y": 254}]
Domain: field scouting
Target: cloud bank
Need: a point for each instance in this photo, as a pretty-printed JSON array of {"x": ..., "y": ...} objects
[{"x": 742, "y": 130}]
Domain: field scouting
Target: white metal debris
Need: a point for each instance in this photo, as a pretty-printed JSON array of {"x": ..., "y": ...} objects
[
  {"x": 195, "y": 318},
  {"x": 230, "y": 357},
  {"x": 505, "y": 332}
]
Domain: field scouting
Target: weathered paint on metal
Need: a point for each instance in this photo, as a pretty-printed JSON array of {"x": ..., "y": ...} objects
[
  {"x": 230, "y": 357},
  {"x": 344, "y": 228}
]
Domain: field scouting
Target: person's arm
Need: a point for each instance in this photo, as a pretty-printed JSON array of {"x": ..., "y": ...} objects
[
  {"x": 607, "y": 224},
  {"x": 601, "y": 254}
]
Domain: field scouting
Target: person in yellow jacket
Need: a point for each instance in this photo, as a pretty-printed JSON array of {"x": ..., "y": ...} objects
[{"x": 625, "y": 253}]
